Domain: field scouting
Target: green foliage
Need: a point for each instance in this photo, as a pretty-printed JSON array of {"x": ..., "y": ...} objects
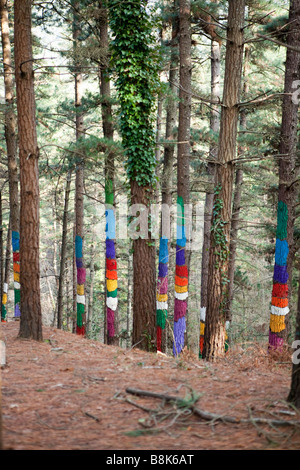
[{"x": 135, "y": 61}]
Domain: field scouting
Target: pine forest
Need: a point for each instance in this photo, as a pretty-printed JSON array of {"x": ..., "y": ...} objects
[{"x": 150, "y": 225}]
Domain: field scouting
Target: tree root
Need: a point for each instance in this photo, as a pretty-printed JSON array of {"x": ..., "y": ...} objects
[{"x": 207, "y": 416}]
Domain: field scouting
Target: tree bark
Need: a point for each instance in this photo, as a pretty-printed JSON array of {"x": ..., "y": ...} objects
[
  {"x": 79, "y": 182},
  {"x": 209, "y": 197},
  {"x": 166, "y": 185},
  {"x": 183, "y": 175},
  {"x": 143, "y": 263},
  {"x": 217, "y": 305},
  {"x": 111, "y": 316},
  {"x": 63, "y": 253},
  {"x": 6, "y": 273},
  {"x": 31, "y": 318},
  {"x": 287, "y": 191}
]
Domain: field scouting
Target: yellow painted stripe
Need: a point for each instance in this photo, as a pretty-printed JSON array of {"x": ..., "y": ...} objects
[
  {"x": 111, "y": 284},
  {"x": 181, "y": 289},
  {"x": 277, "y": 323}
]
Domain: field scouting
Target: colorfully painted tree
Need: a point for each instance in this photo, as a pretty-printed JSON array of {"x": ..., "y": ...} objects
[
  {"x": 111, "y": 273},
  {"x": 166, "y": 186},
  {"x": 284, "y": 248},
  {"x": 79, "y": 180},
  {"x": 11, "y": 145},
  {"x": 133, "y": 57}
]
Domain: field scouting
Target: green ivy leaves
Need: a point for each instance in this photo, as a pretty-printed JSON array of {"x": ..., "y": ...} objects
[{"x": 135, "y": 61}]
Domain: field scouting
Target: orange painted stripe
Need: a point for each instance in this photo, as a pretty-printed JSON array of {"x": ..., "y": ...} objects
[
  {"x": 16, "y": 267},
  {"x": 111, "y": 274},
  {"x": 280, "y": 302},
  {"x": 181, "y": 281}
]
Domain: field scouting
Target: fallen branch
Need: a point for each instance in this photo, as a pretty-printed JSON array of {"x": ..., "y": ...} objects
[{"x": 181, "y": 402}]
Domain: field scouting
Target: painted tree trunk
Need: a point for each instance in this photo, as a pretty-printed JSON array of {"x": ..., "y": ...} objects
[
  {"x": 136, "y": 84},
  {"x": 6, "y": 274},
  {"x": 11, "y": 145},
  {"x": 63, "y": 254},
  {"x": 79, "y": 186},
  {"x": 217, "y": 305},
  {"x": 284, "y": 249},
  {"x": 111, "y": 273},
  {"x": 209, "y": 197},
  {"x": 26, "y": 246},
  {"x": 181, "y": 270},
  {"x": 166, "y": 192}
]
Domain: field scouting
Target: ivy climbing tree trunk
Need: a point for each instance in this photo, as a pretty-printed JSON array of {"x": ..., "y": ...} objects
[
  {"x": 287, "y": 191},
  {"x": 111, "y": 273},
  {"x": 166, "y": 189},
  {"x": 11, "y": 146},
  {"x": 217, "y": 304},
  {"x": 79, "y": 180},
  {"x": 31, "y": 318},
  {"x": 133, "y": 58}
]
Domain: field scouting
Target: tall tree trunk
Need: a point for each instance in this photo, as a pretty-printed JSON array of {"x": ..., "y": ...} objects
[
  {"x": 63, "y": 253},
  {"x": 111, "y": 273},
  {"x": 284, "y": 249},
  {"x": 31, "y": 318},
  {"x": 209, "y": 197},
  {"x": 236, "y": 207},
  {"x": 166, "y": 189},
  {"x": 11, "y": 145},
  {"x": 79, "y": 181},
  {"x": 217, "y": 305},
  {"x": 183, "y": 166}
]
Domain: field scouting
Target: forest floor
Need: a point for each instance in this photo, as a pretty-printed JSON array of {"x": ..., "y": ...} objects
[{"x": 71, "y": 393}]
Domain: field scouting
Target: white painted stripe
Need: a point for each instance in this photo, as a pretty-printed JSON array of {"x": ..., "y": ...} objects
[
  {"x": 81, "y": 299},
  {"x": 161, "y": 305},
  {"x": 112, "y": 302},
  {"x": 181, "y": 296},
  {"x": 17, "y": 285},
  {"x": 202, "y": 313},
  {"x": 279, "y": 310},
  {"x": 5, "y": 287}
]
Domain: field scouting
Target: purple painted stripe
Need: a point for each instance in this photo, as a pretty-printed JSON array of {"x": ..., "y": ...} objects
[
  {"x": 162, "y": 285},
  {"x": 110, "y": 249},
  {"x": 162, "y": 270},
  {"x": 110, "y": 322},
  {"x": 275, "y": 341},
  {"x": 180, "y": 307},
  {"x": 179, "y": 329},
  {"x": 280, "y": 274},
  {"x": 180, "y": 256}
]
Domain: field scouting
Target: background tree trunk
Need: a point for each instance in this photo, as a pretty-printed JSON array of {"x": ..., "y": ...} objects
[
  {"x": 63, "y": 253},
  {"x": 31, "y": 319},
  {"x": 214, "y": 337},
  {"x": 209, "y": 197}
]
